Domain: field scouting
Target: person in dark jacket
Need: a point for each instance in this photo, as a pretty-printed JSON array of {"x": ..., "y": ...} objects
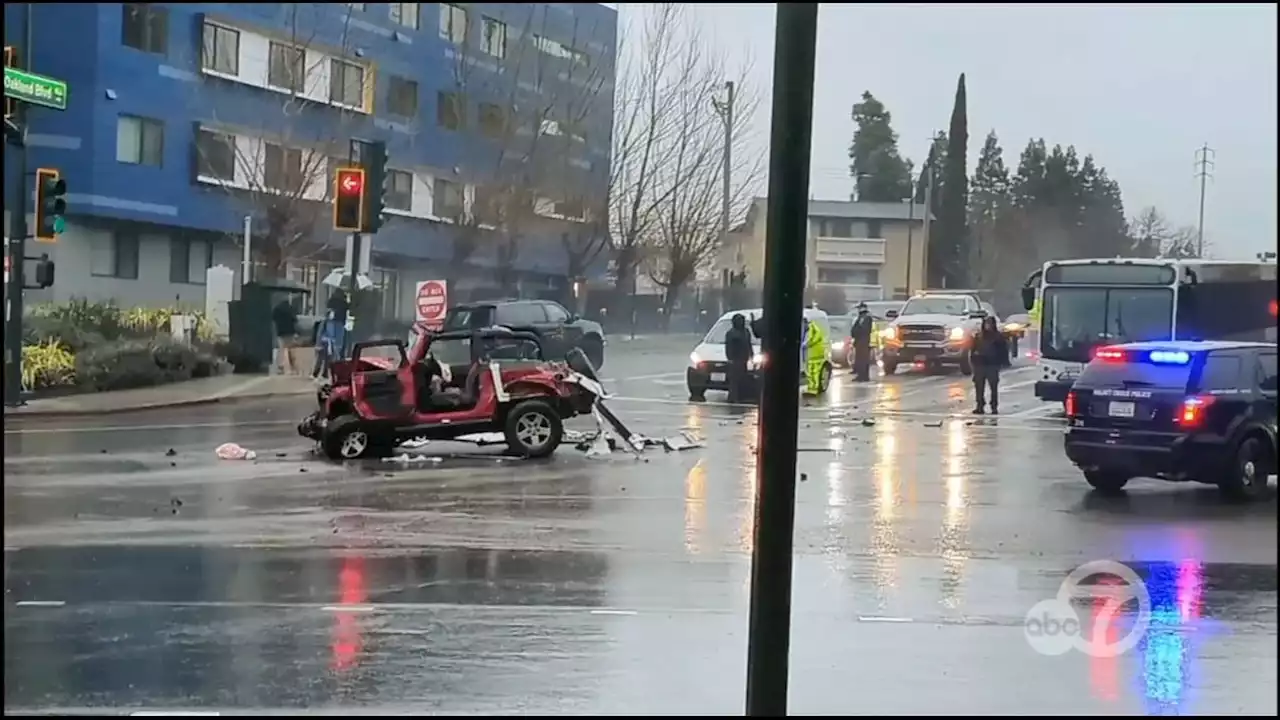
[
  {"x": 988, "y": 353},
  {"x": 860, "y": 337},
  {"x": 284, "y": 319},
  {"x": 738, "y": 351}
]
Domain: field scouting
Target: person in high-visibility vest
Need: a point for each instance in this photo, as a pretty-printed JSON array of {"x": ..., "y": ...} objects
[{"x": 1034, "y": 315}]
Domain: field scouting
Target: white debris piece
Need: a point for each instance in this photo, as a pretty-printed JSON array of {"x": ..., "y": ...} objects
[
  {"x": 686, "y": 440},
  {"x": 409, "y": 458},
  {"x": 234, "y": 451},
  {"x": 600, "y": 447},
  {"x": 415, "y": 443},
  {"x": 489, "y": 438}
]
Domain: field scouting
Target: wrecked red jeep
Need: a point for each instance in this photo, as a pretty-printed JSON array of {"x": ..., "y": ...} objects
[{"x": 448, "y": 386}]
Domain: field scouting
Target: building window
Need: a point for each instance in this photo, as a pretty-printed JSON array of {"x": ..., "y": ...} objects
[
  {"x": 837, "y": 275},
  {"x": 282, "y": 170},
  {"x": 399, "y": 195},
  {"x": 402, "y": 97},
  {"x": 114, "y": 255},
  {"x": 346, "y": 83},
  {"x": 145, "y": 26},
  {"x": 550, "y": 47},
  {"x": 453, "y": 23},
  {"x": 286, "y": 67},
  {"x": 450, "y": 111},
  {"x": 189, "y": 260},
  {"x": 446, "y": 199},
  {"x": 493, "y": 37},
  {"x": 140, "y": 141},
  {"x": 493, "y": 120},
  {"x": 215, "y": 155},
  {"x": 874, "y": 229},
  {"x": 572, "y": 208},
  {"x": 405, "y": 14},
  {"x": 221, "y": 52}
]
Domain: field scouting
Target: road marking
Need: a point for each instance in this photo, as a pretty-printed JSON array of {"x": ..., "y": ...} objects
[
  {"x": 1025, "y": 383},
  {"x": 147, "y": 428},
  {"x": 41, "y": 603},
  {"x": 348, "y": 608},
  {"x": 655, "y": 376},
  {"x": 172, "y": 713},
  {"x": 614, "y": 612},
  {"x": 884, "y": 619},
  {"x": 1036, "y": 411}
]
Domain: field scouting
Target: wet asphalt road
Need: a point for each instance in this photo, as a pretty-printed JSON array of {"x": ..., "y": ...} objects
[{"x": 477, "y": 584}]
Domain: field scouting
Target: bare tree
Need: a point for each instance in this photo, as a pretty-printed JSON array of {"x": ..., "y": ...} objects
[
  {"x": 280, "y": 169},
  {"x": 538, "y": 101},
  {"x": 686, "y": 229},
  {"x": 1150, "y": 233},
  {"x": 1184, "y": 243}
]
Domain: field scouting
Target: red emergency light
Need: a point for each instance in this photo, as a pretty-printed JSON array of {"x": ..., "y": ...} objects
[
  {"x": 1109, "y": 354},
  {"x": 1271, "y": 306}
]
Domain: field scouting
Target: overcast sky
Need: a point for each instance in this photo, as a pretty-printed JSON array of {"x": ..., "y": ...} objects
[{"x": 1140, "y": 87}]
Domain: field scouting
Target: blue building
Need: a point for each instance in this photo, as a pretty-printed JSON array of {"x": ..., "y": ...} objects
[{"x": 184, "y": 118}]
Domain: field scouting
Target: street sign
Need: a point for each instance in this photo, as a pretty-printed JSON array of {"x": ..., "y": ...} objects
[
  {"x": 35, "y": 89},
  {"x": 432, "y": 302}
]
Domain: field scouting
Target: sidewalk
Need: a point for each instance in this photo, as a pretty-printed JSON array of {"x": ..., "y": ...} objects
[{"x": 204, "y": 391}]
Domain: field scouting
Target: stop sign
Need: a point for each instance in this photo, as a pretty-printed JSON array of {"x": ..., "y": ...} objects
[{"x": 432, "y": 301}]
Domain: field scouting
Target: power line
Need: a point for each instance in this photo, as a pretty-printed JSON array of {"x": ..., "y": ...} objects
[{"x": 1204, "y": 170}]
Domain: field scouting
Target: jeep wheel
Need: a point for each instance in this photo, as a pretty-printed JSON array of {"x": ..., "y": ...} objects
[
  {"x": 594, "y": 348},
  {"x": 1107, "y": 483},
  {"x": 1246, "y": 476},
  {"x": 534, "y": 429},
  {"x": 346, "y": 438}
]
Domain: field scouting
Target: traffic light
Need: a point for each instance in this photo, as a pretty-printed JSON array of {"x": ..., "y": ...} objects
[
  {"x": 10, "y": 61},
  {"x": 51, "y": 204},
  {"x": 348, "y": 199},
  {"x": 44, "y": 272},
  {"x": 375, "y": 163}
]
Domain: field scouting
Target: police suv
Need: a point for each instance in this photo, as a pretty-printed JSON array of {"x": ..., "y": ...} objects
[{"x": 1197, "y": 411}]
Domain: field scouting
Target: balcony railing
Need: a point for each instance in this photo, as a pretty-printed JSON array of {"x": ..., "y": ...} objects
[{"x": 849, "y": 250}]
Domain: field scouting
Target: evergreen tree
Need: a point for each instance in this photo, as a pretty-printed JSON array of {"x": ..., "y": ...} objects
[
  {"x": 990, "y": 198},
  {"x": 935, "y": 159},
  {"x": 951, "y": 242},
  {"x": 879, "y": 172}
]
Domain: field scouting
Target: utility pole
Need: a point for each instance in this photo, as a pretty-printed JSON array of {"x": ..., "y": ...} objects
[
  {"x": 769, "y": 628},
  {"x": 17, "y": 245},
  {"x": 1204, "y": 170},
  {"x": 928, "y": 214},
  {"x": 725, "y": 109},
  {"x": 911, "y": 223}
]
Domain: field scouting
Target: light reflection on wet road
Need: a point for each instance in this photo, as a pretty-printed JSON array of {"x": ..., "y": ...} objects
[{"x": 484, "y": 584}]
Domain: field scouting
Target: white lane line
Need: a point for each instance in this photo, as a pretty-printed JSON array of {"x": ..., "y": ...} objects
[
  {"x": 884, "y": 619},
  {"x": 172, "y": 713},
  {"x": 655, "y": 376},
  {"x": 614, "y": 612},
  {"x": 1036, "y": 411},
  {"x": 1013, "y": 386},
  {"x": 348, "y": 608},
  {"x": 147, "y": 428},
  {"x": 41, "y": 603}
]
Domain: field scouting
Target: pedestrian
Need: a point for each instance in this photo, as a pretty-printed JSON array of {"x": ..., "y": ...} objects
[
  {"x": 338, "y": 306},
  {"x": 988, "y": 353},
  {"x": 284, "y": 318},
  {"x": 327, "y": 345},
  {"x": 815, "y": 353},
  {"x": 860, "y": 337},
  {"x": 738, "y": 351}
]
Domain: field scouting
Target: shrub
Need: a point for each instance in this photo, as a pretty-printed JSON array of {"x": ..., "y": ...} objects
[
  {"x": 41, "y": 330},
  {"x": 47, "y": 365},
  {"x": 135, "y": 363},
  {"x": 79, "y": 323}
]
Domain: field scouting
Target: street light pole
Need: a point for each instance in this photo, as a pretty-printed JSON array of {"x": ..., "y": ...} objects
[
  {"x": 769, "y": 633},
  {"x": 17, "y": 245}
]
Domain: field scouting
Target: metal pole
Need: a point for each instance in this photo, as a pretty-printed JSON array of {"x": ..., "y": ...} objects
[
  {"x": 928, "y": 213},
  {"x": 246, "y": 262},
  {"x": 911, "y": 222},
  {"x": 1204, "y": 164},
  {"x": 769, "y": 633},
  {"x": 728, "y": 164},
  {"x": 18, "y": 239}
]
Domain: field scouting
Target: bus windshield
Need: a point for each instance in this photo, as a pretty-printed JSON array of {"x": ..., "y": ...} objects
[{"x": 1075, "y": 320}]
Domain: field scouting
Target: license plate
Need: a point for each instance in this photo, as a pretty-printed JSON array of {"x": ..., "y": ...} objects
[
  {"x": 1120, "y": 409},
  {"x": 717, "y": 377}
]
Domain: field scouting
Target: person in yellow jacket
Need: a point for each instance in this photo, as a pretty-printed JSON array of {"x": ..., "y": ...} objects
[{"x": 815, "y": 357}]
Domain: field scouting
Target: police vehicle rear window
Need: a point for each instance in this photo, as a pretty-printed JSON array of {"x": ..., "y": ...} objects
[{"x": 1137, "y": 369}]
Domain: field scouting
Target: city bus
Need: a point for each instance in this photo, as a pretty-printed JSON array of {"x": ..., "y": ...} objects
[{"x": 1084, "y": 304}]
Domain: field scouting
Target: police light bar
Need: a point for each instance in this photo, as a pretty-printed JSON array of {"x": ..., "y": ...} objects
[
  {"x": 1107, "y": 353},
  {"x": 1169, "y": 357}
]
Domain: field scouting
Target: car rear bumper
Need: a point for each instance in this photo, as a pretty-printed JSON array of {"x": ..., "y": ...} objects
[
  {"x": 713, "y": 378},
  {"x": 1144, "y": 454},
  {"x": 1053, "y": 390}
]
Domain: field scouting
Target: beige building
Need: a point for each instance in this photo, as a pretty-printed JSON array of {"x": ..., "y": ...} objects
[{"x": 868, "y": 250}]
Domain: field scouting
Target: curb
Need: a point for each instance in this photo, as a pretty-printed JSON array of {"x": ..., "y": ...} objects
[{"x": 12, "y": 414}]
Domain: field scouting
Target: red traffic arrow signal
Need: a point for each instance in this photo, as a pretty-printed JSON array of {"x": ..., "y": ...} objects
[{"x": 350, "y": 182}]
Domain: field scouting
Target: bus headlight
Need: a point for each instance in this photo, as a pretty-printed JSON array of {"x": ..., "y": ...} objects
[{"x": 957, "y": 333}]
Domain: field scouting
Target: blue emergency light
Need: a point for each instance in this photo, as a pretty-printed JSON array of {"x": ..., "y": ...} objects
[{"x": 1169, "y": 357}]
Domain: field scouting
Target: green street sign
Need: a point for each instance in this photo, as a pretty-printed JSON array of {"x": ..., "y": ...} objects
[{"x": 35, "y": 89}]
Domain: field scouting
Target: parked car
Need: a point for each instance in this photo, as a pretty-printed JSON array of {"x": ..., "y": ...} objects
[
  {"x": 559, "y": 329},
  {"x": 709, "y": 368}
]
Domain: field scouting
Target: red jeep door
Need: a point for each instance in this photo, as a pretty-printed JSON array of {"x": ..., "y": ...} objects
[{"x": 383, "y": 387}]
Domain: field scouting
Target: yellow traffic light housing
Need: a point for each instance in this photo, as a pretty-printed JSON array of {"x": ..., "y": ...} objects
[
  {"x": 348, "y": 199},
  {"x": 51, "y": 204}
]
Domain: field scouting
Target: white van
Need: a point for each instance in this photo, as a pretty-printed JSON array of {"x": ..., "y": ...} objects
[{"x": 709, "y": 369}]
